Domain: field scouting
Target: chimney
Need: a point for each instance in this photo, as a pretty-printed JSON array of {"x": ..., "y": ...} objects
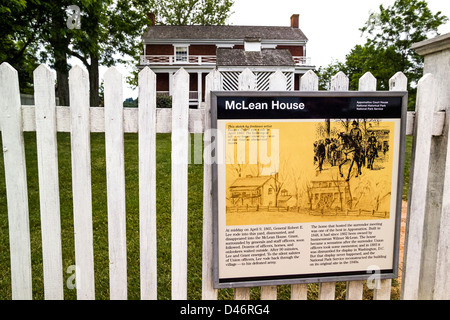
[
  {"x": 294, "y": 21},
  {"x": 151, "y": 16}
]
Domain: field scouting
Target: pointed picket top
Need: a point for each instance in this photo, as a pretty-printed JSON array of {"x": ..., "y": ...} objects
[
  {"x": 112, "y": 73},
  {"x": 181, "y": 73},
  {"x": 9, "y": 87},
  {"x": 247, "y": 81},
  {"x": 43, "y": 70},
  {"x": 398, "y": 82},
  {"x": 6, "y": 68},
  {"x": 78, "y": 92},
  {"x": 309, "y": 81},
  {"x": 367, "y": 82},
  {"x": 215, "y": 80},
  {"x": 339, "y": 82},
  {"x": 78, "y": 72},
  {"x": 277, "y": 81},
  {"x": 146, "y": 72},
  {"x": 113, "y": 85},
  {"x": 181, "y": 89},
  {"x": 44, "y": 89},
  {"x": 146, "y": 83}
]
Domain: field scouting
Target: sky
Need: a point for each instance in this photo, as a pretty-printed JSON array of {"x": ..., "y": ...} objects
[{"x": 332, "y": 26}]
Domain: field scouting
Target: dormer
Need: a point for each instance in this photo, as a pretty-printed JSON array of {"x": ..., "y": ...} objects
[{"x": 252, "y": 44}]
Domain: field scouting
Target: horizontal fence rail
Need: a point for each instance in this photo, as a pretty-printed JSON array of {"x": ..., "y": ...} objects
[{"x": 46, "y": 119}]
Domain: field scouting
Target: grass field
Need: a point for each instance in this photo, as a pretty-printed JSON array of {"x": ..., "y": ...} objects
[{"x": 100, "y": 227}]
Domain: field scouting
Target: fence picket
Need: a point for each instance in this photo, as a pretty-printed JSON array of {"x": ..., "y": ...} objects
[
  {"x": 277, "y": 81},
  {"x": 179, "y": 188},
  {"x": 339, "y": 82},
  {"x": 115, "y": 179},
  {"x": 420, "y": 160},
  {"x": 308, "y": 82},
  {"x": 355, "y": 288},
  {"x": 247, "y": 82},
  {"x": 16, "y": 183},
  {"x": 81, "y": 182},
  {"x": 213, "y": 83},
  {"x": 382, "y": 290},
  {"x": 47, "y": 154},
  {"x": 147, "y": 183}
]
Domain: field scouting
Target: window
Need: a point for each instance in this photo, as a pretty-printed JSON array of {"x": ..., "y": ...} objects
[{"x": 181, "y": 54}]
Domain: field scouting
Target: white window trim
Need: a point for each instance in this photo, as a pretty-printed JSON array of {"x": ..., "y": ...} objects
[{"x": 175, "y": 46}]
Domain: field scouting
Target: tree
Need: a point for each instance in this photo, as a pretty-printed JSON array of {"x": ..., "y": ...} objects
[
  {"x": 33, "y": 31},
  {"x": 17, "y": 37},
  {"x": 110, "y": 33},
  {"x": 390, "y": 34},
  {"x": 399, "y": 26},
  {"x": 381, "y": 62},
  {"x": 191, "y": 12}
]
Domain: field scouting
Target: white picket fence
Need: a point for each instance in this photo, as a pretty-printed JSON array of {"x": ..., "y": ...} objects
[{"x": 80, "y": 120}]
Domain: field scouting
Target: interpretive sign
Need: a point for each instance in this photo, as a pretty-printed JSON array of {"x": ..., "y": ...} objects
[{"x": 307, "y": 186}]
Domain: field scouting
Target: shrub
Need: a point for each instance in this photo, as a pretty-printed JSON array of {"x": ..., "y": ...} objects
[{"x": 163, "y": 101}]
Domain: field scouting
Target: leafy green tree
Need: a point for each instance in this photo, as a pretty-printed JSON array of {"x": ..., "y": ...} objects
[
  {"x": 110, "y": 33},
  {"x": 34, "y": 31},
  {"x": 17, "y": 38},
  {"x": 399, "y": 26},
  {"x": 390, "y": 34},
  {"x": 190, "y": 12},
  {"x": 381, "y": 62}
]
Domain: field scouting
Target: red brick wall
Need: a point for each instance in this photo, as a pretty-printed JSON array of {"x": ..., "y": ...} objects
[
  {"x": 202, "y": 50},
  {"x": 159, "y": 49},
  {"x": 162, "y": 82},
  {"x": 296, "y": 51}
]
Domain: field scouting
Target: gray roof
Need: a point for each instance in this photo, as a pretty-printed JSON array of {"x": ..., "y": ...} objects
[
  {"x": 252, "y": 182},
  {"x": 265, "y": 57},
  {"x": 161, "y": 32}
]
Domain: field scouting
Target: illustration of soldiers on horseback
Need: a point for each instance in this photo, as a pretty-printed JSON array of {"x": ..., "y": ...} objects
[
  {"x": 352, "y": 150},
  {"x": 353, "y": 147}
]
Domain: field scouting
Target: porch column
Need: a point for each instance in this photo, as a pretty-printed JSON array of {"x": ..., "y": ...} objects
[
  {"x": 170, "y": 83},
  {"x": 199, "y": 88}
]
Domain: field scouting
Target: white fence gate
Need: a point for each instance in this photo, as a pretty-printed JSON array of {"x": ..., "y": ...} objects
[{"x": 80, "y": 120}]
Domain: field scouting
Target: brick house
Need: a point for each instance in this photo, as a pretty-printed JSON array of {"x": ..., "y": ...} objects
[{"x": 230, "y": 49}]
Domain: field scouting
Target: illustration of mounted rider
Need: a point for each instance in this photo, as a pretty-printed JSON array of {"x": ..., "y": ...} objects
[
  {"x": 353, "y": 150},
  {"x": 361, "y": 145}
]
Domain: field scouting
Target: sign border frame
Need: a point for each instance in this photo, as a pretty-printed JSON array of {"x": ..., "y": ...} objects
[{"x": 388, "y": 274}]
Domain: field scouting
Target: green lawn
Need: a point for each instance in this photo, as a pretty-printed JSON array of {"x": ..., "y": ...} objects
[{"x": 100, "y": 229}]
